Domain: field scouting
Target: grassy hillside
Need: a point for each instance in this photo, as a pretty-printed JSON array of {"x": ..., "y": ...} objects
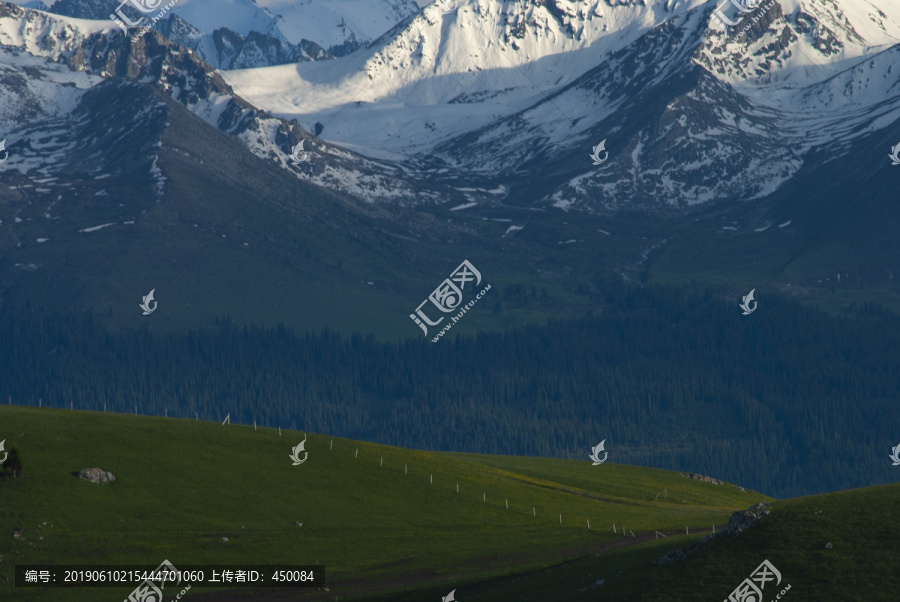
[
  {"x": 182, "y": 485},
  {"x": 862, "y": 563}
]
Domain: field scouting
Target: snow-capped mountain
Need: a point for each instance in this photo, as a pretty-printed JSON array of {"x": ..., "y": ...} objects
[
  {"x": 419, "y": 82},
  {"x": 496, "y": 112},
  {"x": 227, "y": 49},
  {"x": 273, "y": 32},
  {"x": 500, "y": 90},
  {"x": 99, "y": 48},
  {"x": 509, "y": 99}
]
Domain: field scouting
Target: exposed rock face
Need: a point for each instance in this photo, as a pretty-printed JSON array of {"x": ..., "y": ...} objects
[
  {"x": 739, "y": 521},
  {"x": 231, "y": 50},
  {"x": 742, "y": 519},
  {"x": 700, "y": 477},
  {"x": 96, "y": 475}
]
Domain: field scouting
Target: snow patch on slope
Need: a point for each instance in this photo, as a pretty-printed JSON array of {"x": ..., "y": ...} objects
[{"x": 415, "y": 86}]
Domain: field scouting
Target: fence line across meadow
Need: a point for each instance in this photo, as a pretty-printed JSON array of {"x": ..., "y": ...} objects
[{"x": 227, "y": 420}]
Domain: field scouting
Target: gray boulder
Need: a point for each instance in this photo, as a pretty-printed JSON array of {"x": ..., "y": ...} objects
[{"x": 96, "y": 475}]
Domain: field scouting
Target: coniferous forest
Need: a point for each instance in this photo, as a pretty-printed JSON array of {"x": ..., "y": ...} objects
[{"x": 670, "y": 378}]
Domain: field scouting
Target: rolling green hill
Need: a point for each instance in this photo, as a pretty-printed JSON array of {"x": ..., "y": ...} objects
[
  {"x": 861, "y": 564},
  {"x": 381, "y": 519}
]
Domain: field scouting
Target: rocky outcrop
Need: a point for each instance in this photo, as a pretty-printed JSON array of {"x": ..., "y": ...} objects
[
  {"x": 739, "y": 521},
  {"x": 96, "y": 475},
  {"x": 744, "y": 518},
  {"x": 700, "y": 477}
]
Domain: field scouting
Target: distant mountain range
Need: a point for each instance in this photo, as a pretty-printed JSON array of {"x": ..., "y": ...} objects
[
  {"x": 516, "y": 94},
  {"x": 728, "y": 156},
  {"x": 688, "y": 114}
]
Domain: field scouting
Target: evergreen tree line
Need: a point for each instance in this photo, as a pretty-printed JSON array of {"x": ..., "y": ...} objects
[{"x": 787, "y": 401}]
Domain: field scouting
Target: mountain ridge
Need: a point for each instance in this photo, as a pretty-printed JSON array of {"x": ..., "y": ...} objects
[{"x": 350, "y": 25}]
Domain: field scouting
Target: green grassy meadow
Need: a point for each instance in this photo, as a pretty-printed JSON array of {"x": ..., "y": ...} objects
[
  {"x": 861, "y": 565},
  {"x": 183, "y": 485}
]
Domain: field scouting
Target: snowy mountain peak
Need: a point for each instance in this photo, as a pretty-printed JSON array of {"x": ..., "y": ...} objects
[
  {"x": 790, "y": 40},
  {"x": 339, "y": 27},
  {"x": 498, "y": 93}
]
